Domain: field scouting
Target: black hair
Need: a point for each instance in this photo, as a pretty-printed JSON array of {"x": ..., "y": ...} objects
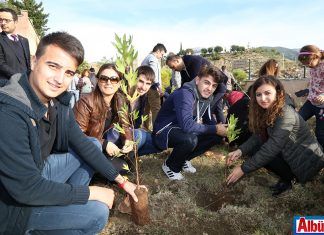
[{"x": 65, "y": 41}]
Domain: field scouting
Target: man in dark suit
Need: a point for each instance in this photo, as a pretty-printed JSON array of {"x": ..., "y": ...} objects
[{"x": 14, "y": 49}]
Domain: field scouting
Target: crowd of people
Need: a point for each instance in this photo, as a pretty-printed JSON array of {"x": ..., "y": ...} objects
[{"x": 57, "y": 128}]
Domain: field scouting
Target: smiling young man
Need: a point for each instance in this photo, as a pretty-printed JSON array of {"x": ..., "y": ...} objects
[
  {"x": 185, "y": 123},
  {"x": 145, "y": 79},
  {"x": 14, "y": 49},
  {"x": 46, "y": 161}
]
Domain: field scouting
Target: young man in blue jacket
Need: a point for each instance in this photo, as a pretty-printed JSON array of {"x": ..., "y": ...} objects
[
  {"x": 46, "y": 161},
  {"x": 185, "y": 123},
  {"x": 189, "y": 67}
]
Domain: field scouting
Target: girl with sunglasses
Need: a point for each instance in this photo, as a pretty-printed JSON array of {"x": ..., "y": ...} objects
[
  {"x": 97, "y": 112},
  {"x": 312, "y": 57}
]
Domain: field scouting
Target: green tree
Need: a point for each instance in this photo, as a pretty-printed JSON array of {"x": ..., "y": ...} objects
[
  {"x": 165, "y": 77},
  {"x": 218, "y": 49},
  {"x": 83, "y": 66},
  {"x": 239, "y": 75},
  {"x": 35, "y": 13},
  {"x": 203, "y": 51},
  {"x": 210, "y": 50}
]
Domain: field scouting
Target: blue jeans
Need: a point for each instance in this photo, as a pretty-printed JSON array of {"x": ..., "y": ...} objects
[
  {"x": 144, "y": 138},
  {"x": 307, "y": 111},
  {"x": 89, "y": 218}
]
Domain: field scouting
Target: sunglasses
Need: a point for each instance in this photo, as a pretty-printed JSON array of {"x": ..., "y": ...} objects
[{"x": 112, "y": 79}]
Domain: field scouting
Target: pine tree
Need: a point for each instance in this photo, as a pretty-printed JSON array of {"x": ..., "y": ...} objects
[{"x": 35, "y": 13}]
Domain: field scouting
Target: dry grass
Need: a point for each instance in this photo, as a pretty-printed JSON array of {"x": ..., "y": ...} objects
[{"x": 201, "y": 205}]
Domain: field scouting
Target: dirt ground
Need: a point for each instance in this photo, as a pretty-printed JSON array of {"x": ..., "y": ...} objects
[{"x": 201, "y": 204}]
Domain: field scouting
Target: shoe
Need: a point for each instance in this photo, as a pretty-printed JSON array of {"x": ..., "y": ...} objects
[
  {"x": 171, "y": 174},
  {"x": 187, "y": 167},
  {"x": 280, "y": 187},
  {"x": 277, "y": 185}
]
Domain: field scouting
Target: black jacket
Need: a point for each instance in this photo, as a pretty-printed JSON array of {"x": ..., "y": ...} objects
[
  {"x": 21, "y": 183},
  {"x": 291, "y": 137},
  {"x": 10, "y": 60}
]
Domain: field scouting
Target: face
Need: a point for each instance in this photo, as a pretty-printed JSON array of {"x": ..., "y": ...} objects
[
  {"x": 206, "y": 86},
  {"x": 8, "y": 25},
  {"x": 176, "y": 65},
  {"x": 266, "y": 95},
  {"x": 52, "y": 73},
  {"x": 108, "y": 82},
  {"x": 310, "y": 60},
  {"x": 143, "y": 84},
  {"x": 160, "y": 54}
]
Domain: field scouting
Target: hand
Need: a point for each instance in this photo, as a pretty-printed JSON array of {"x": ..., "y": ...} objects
[
  {"x": 233, "y": 156},
  {"x": 319, "y": 100},
  {"x": 161, "y": 93},
  {"x": 236, "y": 174},
  {"x": 221, "y": 129},
  {"x": 101, "y": 194},
  {"x": 129, "y": 146},
  {"x": 129, "y": 187},
  {"x": 112, "y": 149}
]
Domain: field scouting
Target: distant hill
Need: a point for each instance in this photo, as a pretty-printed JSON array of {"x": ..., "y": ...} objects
[{"x": 289, "y": 53}]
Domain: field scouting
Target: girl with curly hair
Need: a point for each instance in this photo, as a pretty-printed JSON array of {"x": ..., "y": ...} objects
[{"x": 281, "y": 141}]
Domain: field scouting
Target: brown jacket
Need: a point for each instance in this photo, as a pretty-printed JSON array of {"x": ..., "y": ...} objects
[{"x": 92, "y": 123}]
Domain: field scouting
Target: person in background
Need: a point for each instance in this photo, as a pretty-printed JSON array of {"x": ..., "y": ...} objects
[
  {"x": 46, "y": 161},
  {"x": 281, "y": 141},
  {"x": 229, "y": 80},
  {"x": 185, "y": 123},
  {"x": 270, "y": 67},
  {"x": 155, "y": 93},
  {"x": 312, "y": 57},
  {"x": 92, "y": 76},
  {"x": 14, "y": 48},
  {"x": 84, "y": 84},
  {"x": 73, "y": 90},
  {"x": 97, "y": 112}
]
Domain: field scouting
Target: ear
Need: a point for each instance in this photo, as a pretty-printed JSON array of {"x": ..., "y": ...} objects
[
  {"x": 197, "y": 79},
  {"x": 33, "y": 62}
]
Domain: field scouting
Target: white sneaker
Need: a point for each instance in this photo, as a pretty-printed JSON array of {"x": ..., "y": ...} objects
[
  {"x": 187, "y": 167},
  {"x": 171, "y": 174}
]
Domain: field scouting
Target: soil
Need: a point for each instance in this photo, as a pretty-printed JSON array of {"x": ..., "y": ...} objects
[{"x": 201, "y": 205}]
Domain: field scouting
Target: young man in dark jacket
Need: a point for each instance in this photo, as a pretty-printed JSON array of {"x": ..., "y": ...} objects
[
  {"x": 189, "y": 67},
  {"x": 46, "y": 161},
  {"x": 185, "y": 123}
]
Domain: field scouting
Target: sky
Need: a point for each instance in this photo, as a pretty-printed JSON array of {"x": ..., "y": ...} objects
[{"x": 201, "y": 23}]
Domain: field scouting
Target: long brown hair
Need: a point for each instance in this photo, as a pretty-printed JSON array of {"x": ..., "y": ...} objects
[
  {"x": 260, "y": 118},
  {"x": 270, "y": 67},
  {"x": 98, "y": 99}
]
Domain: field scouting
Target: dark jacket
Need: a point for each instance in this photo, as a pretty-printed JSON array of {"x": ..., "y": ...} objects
[
  {"x": 193, "y": 64},
  {"x": 291, "y": 137},
  {"x": 10, "y": 60},
  {"x": 182, "y": 109},
  {"x": 21, "y": 183},
  {"x": 92, "y": 123}
]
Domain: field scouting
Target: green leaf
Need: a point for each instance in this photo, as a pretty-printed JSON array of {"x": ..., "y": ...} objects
[{"x": 232, "y": 133}]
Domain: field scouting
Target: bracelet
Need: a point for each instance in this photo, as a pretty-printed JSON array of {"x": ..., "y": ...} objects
[{"x": 121, "y": 185}]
